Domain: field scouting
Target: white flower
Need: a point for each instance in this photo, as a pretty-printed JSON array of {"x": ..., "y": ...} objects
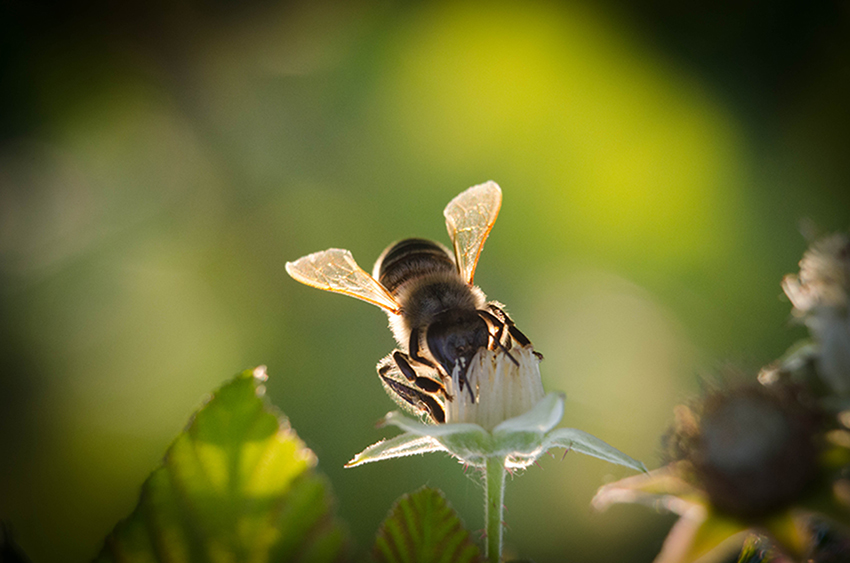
[
  {"x": 502, "y": 385},
  {"x": 503, "y": 414}
]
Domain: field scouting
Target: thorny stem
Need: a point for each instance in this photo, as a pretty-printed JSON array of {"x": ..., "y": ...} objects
[{"x": 494, "y": 491}]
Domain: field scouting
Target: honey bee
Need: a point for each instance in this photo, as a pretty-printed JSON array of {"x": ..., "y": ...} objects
[{"x": 439, "y": 318}]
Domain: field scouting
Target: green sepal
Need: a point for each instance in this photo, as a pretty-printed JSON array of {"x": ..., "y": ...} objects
[
  {"x": 519, "y": 440},
  {"x": 587, "y": 444}
]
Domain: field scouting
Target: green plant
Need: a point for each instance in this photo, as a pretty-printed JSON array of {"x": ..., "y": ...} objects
[{"x": 763, "y": 464}]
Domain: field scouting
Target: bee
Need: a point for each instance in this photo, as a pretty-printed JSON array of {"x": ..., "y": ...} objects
[{"x": 439, "y": 318}]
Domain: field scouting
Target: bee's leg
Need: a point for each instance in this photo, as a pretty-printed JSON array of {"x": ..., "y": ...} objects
[
  {"x": 518, "y": 335},
  {"x": 515, "y": 333},
  {"x": 496, "y": 310},
  {"x": 413, "y": 349},
  {"x": 418, "y": 400},
  {"x": 426, "y": 384},
  {"x": 493, "y": 321}
]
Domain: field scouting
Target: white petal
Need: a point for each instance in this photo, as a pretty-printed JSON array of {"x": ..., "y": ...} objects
[{"x": 542, "y": 417}]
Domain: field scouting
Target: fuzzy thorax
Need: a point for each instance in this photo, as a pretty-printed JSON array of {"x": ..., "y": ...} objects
[
  {"x": 424, "y": 298},
  {"x": 501, "y": 389}
]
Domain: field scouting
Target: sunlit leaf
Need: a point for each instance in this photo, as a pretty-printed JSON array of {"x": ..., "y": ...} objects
[
  {"x": 236, "y": 485},
  {"x": 423, "y": 528}
]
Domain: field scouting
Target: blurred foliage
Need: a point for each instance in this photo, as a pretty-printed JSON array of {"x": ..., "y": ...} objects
[
  {"x": 423, "y": 527},
  {"x": 10, "y": 552},
  {"x": 236, "y": 485},
  {"x": 160, "y": 161}
]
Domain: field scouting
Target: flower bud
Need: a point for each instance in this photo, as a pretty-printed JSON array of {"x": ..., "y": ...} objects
[
  {"x": 819, "y": 294},
  {"x": 753, "y": 449}
]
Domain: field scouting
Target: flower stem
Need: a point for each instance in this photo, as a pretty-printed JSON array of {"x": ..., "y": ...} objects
[{"x": 494, "y": 490}]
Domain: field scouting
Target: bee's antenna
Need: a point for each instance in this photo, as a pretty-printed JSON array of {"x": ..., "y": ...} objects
[{"x": 508, "y": 354}]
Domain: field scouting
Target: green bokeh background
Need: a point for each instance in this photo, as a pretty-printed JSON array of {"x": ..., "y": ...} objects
[{"x": 160, "y": 164}]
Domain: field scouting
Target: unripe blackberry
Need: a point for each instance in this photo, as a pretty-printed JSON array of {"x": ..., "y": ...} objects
[{"x": 753, "y": 449}]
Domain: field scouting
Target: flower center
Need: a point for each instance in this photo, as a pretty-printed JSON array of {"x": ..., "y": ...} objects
[{"x": 499, "y": 387}]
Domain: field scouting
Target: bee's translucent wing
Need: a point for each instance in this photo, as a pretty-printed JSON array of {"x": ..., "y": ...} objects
[
  {"x": 335, "y": 270},
  {"x": 469, "y": 218}
]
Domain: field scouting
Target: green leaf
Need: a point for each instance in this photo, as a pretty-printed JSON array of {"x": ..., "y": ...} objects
[
  {"x": 423, "y": 528},
  {"x": 236, "y": 485}
]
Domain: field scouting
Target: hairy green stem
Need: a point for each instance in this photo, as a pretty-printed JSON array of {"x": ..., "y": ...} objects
[{"x": 494, "y": 491}]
